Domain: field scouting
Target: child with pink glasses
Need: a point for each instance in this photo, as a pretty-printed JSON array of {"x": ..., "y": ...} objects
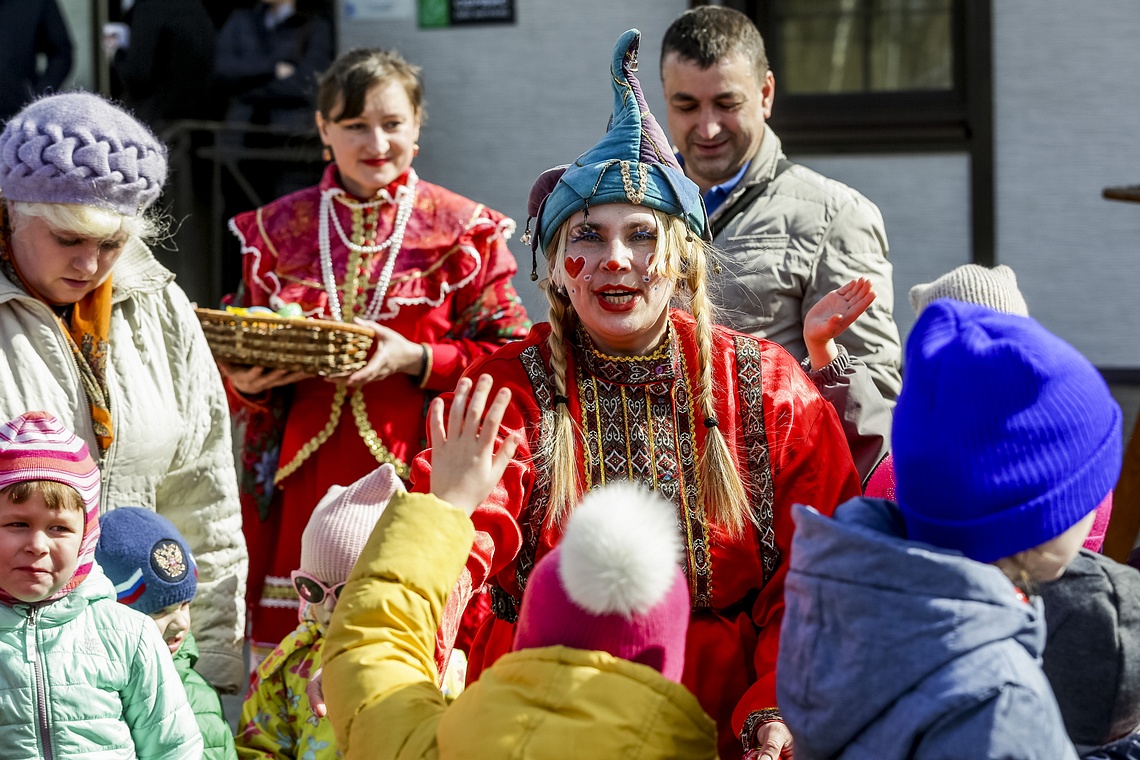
[{"x": 277, "y": 720}]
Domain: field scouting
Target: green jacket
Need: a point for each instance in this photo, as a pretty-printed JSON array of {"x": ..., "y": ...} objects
[
  {"x": 203, "y": 699},
  {"x": 276, "y": 720},
  {"x": 97, "y": 675}
]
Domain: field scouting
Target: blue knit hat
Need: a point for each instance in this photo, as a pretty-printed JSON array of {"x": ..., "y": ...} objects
[
  {"x": 147, "y": 559},
  {"x": 78, "y": 148},
  {"x": 1004, "y": 435},
  {"x": 633, "y": 163}
]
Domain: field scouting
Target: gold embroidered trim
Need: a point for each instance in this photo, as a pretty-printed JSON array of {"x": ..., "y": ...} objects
[
  {"x": 316, "y": 441},
  {"x": 659, "y": 353},
  {"x": 300, "y": 280},
  {"x": 750, "y": 388},
  {"x": 701, "y": 580},
  {"x": 597, "y": 427},
  {"x": 265, "y": 235},
  {"x": 270, "y": 591},
  {"x": 638, "y": 195},
  {"x": 371, "y": 439},
  {"x": 357, "y": 281}
]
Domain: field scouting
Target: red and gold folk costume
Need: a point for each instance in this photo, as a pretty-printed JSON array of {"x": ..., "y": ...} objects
[
  {"x": 640, "y": 421},
  {"x": 449, "y": 290}
]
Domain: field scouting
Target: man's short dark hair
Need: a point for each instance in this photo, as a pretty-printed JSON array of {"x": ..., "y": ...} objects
[{"x": 711, "y": 33}]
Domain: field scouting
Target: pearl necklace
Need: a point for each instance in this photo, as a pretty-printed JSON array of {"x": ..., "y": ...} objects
[{"x": 405, "y": 198}]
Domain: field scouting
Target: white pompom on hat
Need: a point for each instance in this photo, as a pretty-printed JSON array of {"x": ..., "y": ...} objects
[{"x": 614, "y": 583}]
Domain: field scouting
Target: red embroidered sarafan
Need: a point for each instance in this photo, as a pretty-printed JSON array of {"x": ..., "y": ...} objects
[
  {"x": 450, "y": 290},
  {"x": 639, "y": 420}
]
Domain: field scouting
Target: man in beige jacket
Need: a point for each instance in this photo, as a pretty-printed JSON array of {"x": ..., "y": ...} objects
[{"x": 789, "y": 235}]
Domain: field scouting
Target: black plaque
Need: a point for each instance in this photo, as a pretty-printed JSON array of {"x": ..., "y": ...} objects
[{"x": 464, "y": 12}]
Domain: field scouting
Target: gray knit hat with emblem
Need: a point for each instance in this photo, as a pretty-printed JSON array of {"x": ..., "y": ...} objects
[
  {"x": 995, "y": 288},
  {"x": 78, "y": 148}
]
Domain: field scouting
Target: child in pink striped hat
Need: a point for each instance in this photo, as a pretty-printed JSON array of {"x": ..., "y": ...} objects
[{"x": 85, "y": 675}]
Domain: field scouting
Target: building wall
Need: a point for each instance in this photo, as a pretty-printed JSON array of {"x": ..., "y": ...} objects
[
  {"x": 506, "y": 102},
  {"x": 1066, "y": 111},
  {"x": 925, "y": 201}
]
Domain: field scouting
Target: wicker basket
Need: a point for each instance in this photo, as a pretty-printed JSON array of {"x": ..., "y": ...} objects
[{"x": 316, "y": 346}]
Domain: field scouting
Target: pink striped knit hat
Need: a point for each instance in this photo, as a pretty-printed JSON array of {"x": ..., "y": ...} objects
[{"x": 35, "y": 446}]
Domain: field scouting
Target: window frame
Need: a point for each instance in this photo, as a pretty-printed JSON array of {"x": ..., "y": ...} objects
[{"x": 958, "y": 120}]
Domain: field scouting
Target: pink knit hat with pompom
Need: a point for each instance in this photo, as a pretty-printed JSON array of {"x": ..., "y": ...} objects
[{"x": 613, "y": 584}]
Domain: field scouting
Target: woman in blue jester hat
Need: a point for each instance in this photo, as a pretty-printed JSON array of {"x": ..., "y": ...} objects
[{"x": 631, "y": 379}]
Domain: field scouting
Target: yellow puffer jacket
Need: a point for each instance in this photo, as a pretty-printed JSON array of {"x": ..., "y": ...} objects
[{"x": 554, "y": 702}]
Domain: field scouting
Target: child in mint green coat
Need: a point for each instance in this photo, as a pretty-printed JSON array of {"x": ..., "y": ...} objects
[{"x": 80, "y": 675}]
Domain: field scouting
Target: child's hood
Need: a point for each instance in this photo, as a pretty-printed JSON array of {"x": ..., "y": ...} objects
[
  {"x": 870, "y": 615},
  {"x": 557, "y": 702}
]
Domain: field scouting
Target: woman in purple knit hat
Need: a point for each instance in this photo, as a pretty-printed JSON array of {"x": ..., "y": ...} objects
[{"x": 94, "y": 330}]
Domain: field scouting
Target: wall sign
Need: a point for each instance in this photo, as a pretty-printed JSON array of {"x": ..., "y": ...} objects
[
  {"x": 436, "y": 14},
  {"x": 379, "y": 10}
]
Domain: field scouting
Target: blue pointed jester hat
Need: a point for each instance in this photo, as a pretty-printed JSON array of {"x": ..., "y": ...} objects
[{"x": 633, "y": 163}]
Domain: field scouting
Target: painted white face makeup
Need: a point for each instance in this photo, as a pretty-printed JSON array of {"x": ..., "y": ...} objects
[{"x": 623, "y": 307}]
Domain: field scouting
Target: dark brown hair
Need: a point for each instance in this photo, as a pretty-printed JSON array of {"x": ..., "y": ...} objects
[
  {"x": 710, "y": 33},
  {"x": 346, "y": 83}
]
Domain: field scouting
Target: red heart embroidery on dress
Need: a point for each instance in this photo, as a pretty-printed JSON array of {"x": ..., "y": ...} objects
[{"x": 574, "y": 266}]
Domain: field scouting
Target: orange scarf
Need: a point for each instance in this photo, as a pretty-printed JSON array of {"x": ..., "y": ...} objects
[{"x": 88, "y": 332}]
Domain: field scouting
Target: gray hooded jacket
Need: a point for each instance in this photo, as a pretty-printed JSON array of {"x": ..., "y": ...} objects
[{"x": 896, "y": 649}]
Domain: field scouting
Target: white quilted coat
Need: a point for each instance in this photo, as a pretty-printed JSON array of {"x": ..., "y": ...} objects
[{"x": 171, "y": 449}]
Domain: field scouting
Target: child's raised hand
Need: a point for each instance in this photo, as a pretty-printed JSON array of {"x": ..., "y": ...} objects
[
  {"x": 833, "y": 314},
  {"x": 464, "y": 464}
]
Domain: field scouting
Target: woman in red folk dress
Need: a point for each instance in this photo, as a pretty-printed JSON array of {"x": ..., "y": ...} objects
[
  {"x": 427, "y": 270},
  {"x": 619, "y": 386}
]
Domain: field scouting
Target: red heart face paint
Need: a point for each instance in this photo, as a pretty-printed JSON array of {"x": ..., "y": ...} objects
[{"x": 574, "y": 266}]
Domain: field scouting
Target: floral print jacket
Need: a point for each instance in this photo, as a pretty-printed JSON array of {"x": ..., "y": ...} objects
[{"x": 276, "y": 720}]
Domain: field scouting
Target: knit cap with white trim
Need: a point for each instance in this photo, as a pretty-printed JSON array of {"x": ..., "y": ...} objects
[{"x": 36, "y": 446}]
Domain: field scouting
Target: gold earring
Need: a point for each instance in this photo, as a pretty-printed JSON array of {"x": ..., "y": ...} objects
[
  {"x": 415, "y": 149},
  {"x": 326, "y": 153}
]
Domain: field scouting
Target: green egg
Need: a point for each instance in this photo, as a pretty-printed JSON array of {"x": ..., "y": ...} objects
[{"x": 290, "y": 310}]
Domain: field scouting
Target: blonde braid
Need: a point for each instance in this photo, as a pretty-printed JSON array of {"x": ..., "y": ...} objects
[
  {"x": 559, "y": 452},
  {"x": 722, "y": 492}
]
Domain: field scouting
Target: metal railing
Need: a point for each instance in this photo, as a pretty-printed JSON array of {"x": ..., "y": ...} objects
[{"x": 218, "y": 169}]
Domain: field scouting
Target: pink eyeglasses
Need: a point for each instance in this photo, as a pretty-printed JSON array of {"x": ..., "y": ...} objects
[{"x": 312, "y": 589}]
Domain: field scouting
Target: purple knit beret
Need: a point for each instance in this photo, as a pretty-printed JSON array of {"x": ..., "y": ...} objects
[{"x": 78, "y": 148}]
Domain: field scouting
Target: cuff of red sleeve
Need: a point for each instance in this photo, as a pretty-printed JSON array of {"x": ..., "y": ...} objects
[
  {"x": 238, "y": 399},
  {"x": 755, "y": 719},
  {"x": 444, "y": 365},
  {"x": 425, "y": 371}
]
